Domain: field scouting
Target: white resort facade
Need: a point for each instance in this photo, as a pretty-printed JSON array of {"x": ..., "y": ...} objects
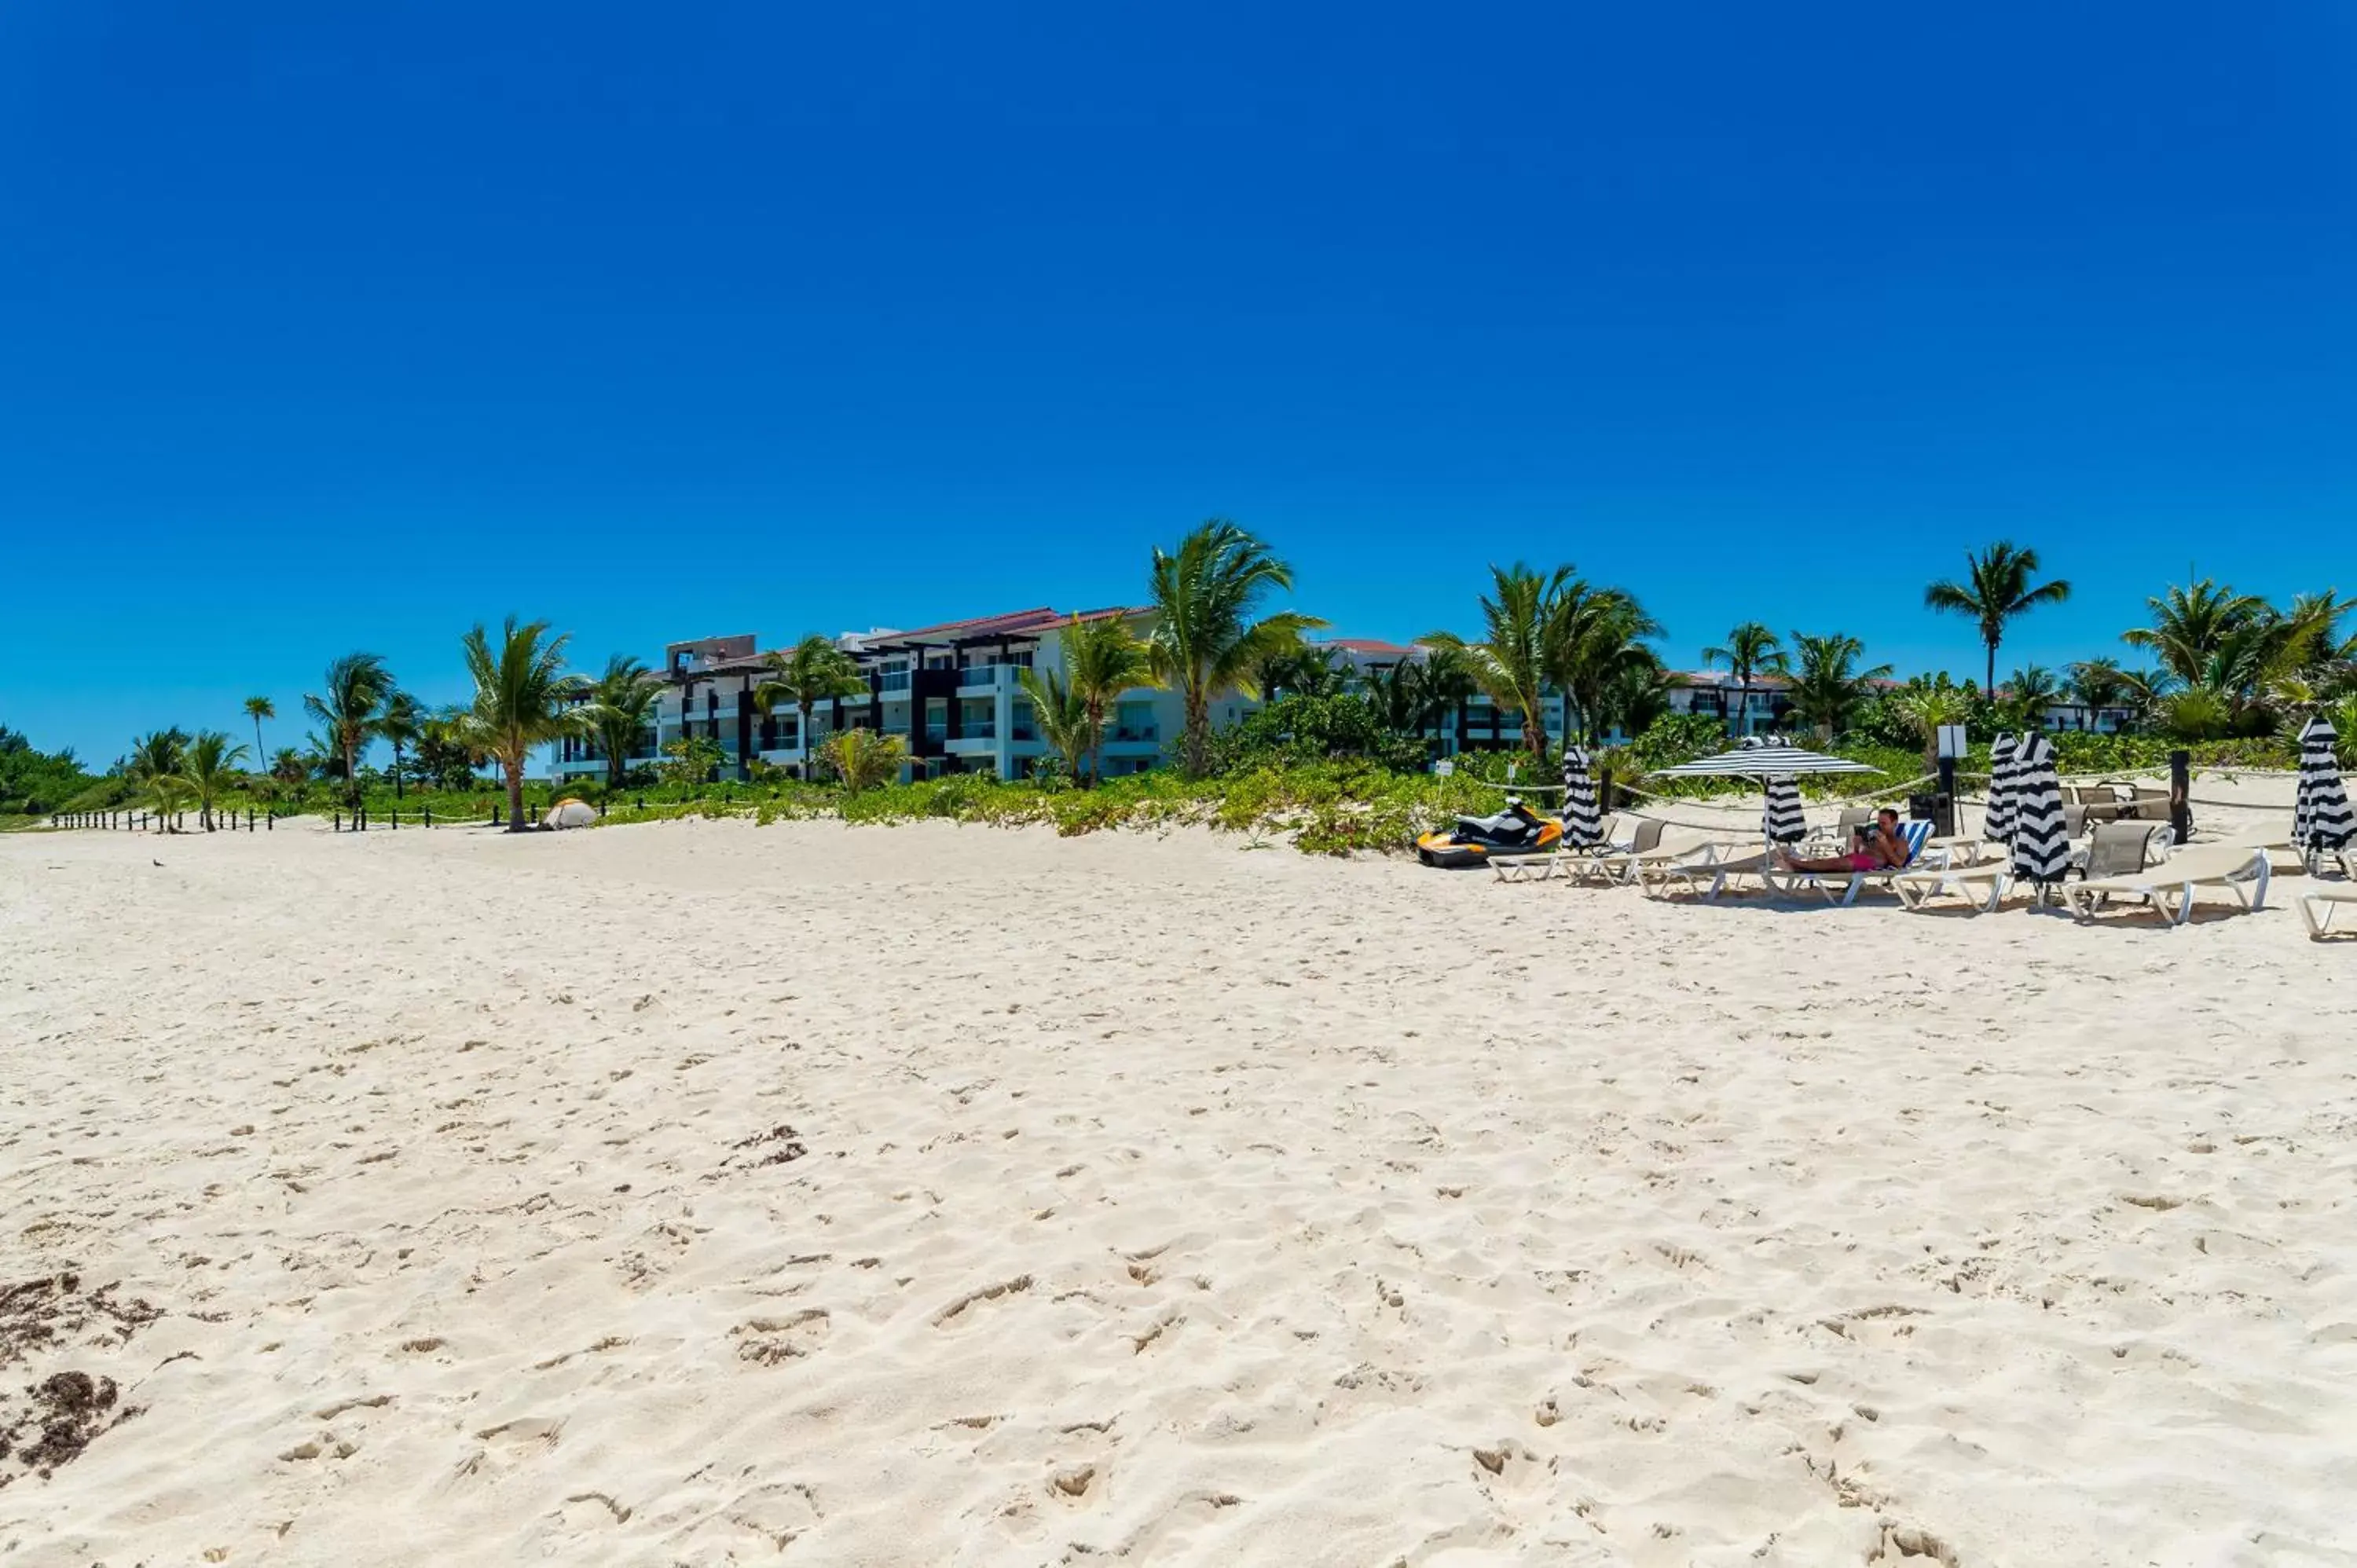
[{"x": 953, "y": 691}]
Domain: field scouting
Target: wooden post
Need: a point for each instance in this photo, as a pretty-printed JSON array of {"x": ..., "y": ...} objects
[
  {"x": 340, "y": 819},
  {"x": 495, "y": 813},
  {"x": 425, "y": 816},
  {"x": 1943, "y": 815},
  {"x": 2181, "y": 785},
  {"x": 270, "y": 821}
]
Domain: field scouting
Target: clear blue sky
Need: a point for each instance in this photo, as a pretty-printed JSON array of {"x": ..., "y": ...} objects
[{"x": 330, "y": 327}]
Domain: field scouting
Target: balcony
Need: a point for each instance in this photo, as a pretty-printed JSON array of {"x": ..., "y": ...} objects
[
  {"x": 1138, "y": 734},
  {"x": 894, "y": 680}
]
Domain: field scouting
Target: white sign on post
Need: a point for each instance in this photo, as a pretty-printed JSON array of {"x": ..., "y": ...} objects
[
  {"x": 1445, "y": 767},
  {"x": 1952, "y": 740}
]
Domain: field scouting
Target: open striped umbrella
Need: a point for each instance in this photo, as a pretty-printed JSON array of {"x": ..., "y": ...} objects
[
  {"x": 2041, "y": 846},
  {"x": 1777, "y": 765},
  {"x": 1582, "y": 823},
  {"x": 1762, "y": 758},
  {"x": 2320, "y": 818},
  {"x": 1996, "y": 821}
]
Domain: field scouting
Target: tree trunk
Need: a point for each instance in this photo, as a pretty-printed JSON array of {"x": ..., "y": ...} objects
[
  {"x": 1991, "y": 688},
  {"x": 1742, "y": 725},
  {"x": 809, "y": 755},
  {"x": 396, "y": 771},
  {"x": 351, "y": 774},
  {"x": 1197, "y": 723},
  {"x": 514, "y": 770}
]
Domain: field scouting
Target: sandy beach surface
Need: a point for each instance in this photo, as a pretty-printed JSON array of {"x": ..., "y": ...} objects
[{"x": 710, "y": 1194}]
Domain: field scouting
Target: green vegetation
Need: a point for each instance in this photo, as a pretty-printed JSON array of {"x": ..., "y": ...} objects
[{"x": 1206, "y": 640}]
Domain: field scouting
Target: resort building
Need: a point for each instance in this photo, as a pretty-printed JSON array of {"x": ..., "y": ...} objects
[{"x": 953, "y": 691}]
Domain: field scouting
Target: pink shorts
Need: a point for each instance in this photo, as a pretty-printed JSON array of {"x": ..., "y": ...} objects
[{"x": 1861, "y": 861}]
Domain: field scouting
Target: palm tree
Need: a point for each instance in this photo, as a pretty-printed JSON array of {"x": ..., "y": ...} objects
[
  {"x": 168, "y": 795},
  {"x": 258, "y": 709},
  {"x": 813, "y": 670},
  {"x": 522, "y": 699},
  {"x": 1996, "y": 589},
  {"x": 2191, "y": 624},
  {"x": 2143, "y": 690},
  {"x": 356, "y": 686},
  {"x": 1750, "y": 651},
  {"x": 865, "y": 759},
  {"x": 1925, "y": 706},
  {"x": 1062, "y": 718},
  {"x": 1102, "y": 659},
  {"x": 155, "y": 754},
  {"x": 619, "y": 705},
  {"x": 1205, "y": 639},
  {"x": 2030, "y": 692},
  {"x": 1275, "y": 665},
  {"x": 1828, "y": 688},
  {"x": 2097, "y": 684},
  {"x": 208, "y": 765},
  {"x": 1598, "y": 648},
  {"x": 1514, "y": 662},
  {"x": 399, "y": 720},
  {"x": 1444, "y": 683}
]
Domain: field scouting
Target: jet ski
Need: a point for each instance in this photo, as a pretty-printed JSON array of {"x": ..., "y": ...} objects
[{"x": 1473, "y": 841}]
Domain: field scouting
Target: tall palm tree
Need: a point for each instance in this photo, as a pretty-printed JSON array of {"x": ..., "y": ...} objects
[
  {"x": 1274, "y": 666},
  {"x": 1750, "y": 651},
  {"x": 2191, "y": 624},
  {"x": 1996, "y": 589},
  {"x": 287, "y": 767},
  {"x": 1515, "y": 661},
  {"x": 1925, "y": 706},
  {"x": 1828, "y": 688},
  {"x": 1598, "y": 648},
  {"x": 813, "y": 670},
  {"x": 399, "y": 720},
  {"x": 1206, "y": 640},
  {"x": 522, "y": 699},
  {"x": 619, "y": 705},
  {"x": 1102, "y": 659},
  {"x": 258, "y": 709},
  {"x": 167, "y": 794},
  {"x": 1062, "y": 718},
  {"x": 207, "y": 766},
  {"x": 356, "y": 686}
]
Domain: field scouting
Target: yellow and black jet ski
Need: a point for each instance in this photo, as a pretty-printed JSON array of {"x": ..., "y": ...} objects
[{"x": 1474, "y": 841}]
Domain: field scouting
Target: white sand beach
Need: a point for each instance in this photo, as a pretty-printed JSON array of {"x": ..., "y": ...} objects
[{"x": 710, "y": 1194}]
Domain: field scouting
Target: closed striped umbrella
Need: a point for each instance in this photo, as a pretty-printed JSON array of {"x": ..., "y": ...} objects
[
  {"x": 2320, "y": 818},
  {"x": 1762, "y": 758},
  {"x": 1782, "y": 820},
  {"x": 2041, "y": 846},
  {"x": 1583, "y": 822},
  {"x": 1996, "y": 823}
]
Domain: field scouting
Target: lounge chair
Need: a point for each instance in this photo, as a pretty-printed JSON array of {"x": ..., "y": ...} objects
[
  {"x": 2116, "y": 849},
  {"x": 1917, "y": 834},
  {"x": 2318, "y": 909},
  {"x": 2238, "y": 869},
  {"x": 1981, "y": 885},
  {"x": 1616, "y": 862},
  {"x": 1707, "y": 869}
]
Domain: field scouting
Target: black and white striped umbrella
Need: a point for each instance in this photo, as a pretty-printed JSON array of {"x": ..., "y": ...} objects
[
  {"x": 1996, "y": 823},
  {"x": 1762, "y": 758},
  {"x": 2041, "y": 844},
  {"x": 2320, "y": 818},
  {"x": 1782, "y": 821},
  {"x": 1582, "y": 823}
]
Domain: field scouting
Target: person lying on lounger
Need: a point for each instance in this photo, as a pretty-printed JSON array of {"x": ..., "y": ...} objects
[{"x": 1878, "y": 846}]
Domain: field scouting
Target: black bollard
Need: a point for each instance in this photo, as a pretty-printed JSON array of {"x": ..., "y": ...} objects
[
  {"x": 270, "y": 823},
  {"x": 425, "y": 816},
  {"x": 340, "y": 819},
  {"x": 2180, "y": 787},
  {"x": 495, "y": 815}
]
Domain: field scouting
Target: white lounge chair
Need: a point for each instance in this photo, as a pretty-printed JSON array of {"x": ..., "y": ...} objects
[
  {"x": 2236, "y": 868},
  {"x": 1982, "y": 885},
  {"x": 1850, "y": 882},
  {"x": 2319, "y": 906},
  {"x": 1706, "y": 869}
]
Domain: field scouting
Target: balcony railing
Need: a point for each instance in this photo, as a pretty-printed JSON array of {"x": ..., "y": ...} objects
[
  {"x": 1135, "y": 732},
  {"x": 894, "y": 680}
]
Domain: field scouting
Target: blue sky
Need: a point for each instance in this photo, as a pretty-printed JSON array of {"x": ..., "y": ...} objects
[{"x": 334, "y": 326}]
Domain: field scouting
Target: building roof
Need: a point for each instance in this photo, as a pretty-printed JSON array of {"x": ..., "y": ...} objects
[{"x": 1372, "y": 645}]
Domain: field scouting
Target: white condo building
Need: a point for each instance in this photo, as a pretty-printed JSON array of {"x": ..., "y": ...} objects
[{"x": 953, "y": 691}]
